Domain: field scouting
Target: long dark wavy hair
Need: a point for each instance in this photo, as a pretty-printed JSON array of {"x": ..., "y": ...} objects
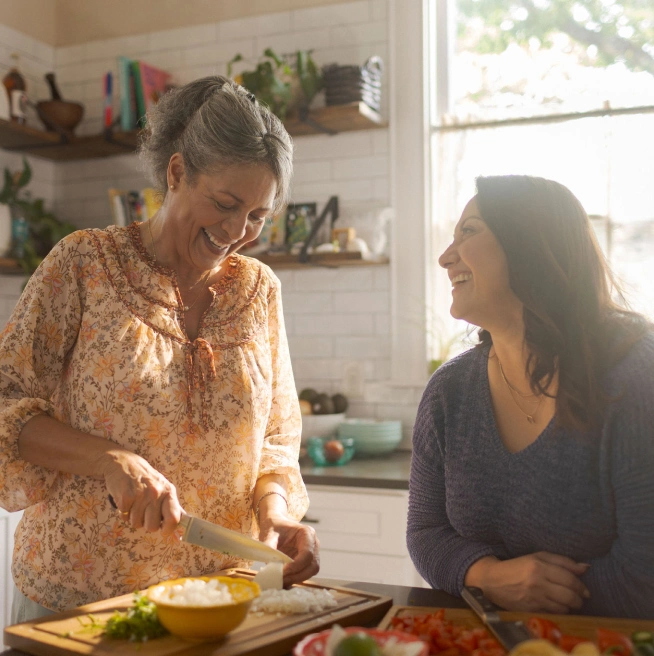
[{"x": 573, "y": 325}]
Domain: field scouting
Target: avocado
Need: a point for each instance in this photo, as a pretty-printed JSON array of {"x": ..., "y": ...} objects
[
  {"x": 340, "y": 403},
  {"x": 323, "y": 405},
  {"x": 308, "y": 394}
]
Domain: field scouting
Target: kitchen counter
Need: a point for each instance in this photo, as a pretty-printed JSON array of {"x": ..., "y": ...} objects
[
  {"x": 402, "y": 595},
  {"x": 388, "y": 472}
]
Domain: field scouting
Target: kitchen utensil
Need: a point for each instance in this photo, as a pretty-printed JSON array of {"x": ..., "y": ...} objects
[
  {"x": 60, "y": 115},
  {"x": 509, "y": 634},
  {"x": 65, "y": 634},
  {"x": 52, "y": 83},
  {"x": 584, "y": 626},
  {"x": 205, "y": 622},
  {"x": 372, "y": 437},
  {"x": 217, "y": 538},
  {"x": 320, "y": 425},
  {"x": 211, "y": 536}
]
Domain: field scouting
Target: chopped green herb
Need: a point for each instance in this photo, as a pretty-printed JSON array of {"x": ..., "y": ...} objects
[{"x": 138, "y": 624}]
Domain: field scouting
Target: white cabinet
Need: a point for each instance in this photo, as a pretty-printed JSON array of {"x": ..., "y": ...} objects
[
  {"x": 362, "y": 533},
  {"x": 8, "y": 523}
]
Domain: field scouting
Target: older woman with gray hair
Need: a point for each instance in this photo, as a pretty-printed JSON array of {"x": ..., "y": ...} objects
[{"x": 149, "y": 363}]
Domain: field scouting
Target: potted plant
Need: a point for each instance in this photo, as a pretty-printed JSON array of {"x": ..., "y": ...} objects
[
  {"x": 278, "y": 84},
  {"x": 35, "y": 230}
]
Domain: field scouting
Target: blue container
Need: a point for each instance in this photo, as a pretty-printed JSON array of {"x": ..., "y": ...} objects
[{"x": 325, "y": 458}]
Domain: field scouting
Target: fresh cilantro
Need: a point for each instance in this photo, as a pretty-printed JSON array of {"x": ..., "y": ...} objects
[{"x": 138, "y": 624}]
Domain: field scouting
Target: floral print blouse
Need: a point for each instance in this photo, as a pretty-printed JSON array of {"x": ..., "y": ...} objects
[{"x": 95, "y": 342}]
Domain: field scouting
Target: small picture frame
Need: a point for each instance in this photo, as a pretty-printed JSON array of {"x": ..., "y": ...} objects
[
  {"x": 300, "y": 218},
  {"x": 271, "y": 238}
]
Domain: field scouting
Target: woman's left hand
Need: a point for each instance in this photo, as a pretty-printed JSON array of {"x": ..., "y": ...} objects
[{"x": 295, "y": 540}]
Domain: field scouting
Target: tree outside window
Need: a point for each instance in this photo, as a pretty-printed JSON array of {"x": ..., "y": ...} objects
[{"x": 562, "y": 89}]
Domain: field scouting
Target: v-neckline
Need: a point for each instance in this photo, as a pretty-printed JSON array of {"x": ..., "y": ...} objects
[{"x": 488, "y": 407}]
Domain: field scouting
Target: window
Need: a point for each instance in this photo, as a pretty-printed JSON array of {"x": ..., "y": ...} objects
[{"x": 562, "y": 89}]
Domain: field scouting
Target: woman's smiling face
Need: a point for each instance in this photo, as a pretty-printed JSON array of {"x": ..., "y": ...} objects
[
  {"x": 477, "y": 268},
  {"x": 217, "y": 214}
]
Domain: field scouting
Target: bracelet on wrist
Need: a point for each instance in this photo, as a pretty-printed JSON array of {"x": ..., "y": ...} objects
[{"x": 263, "y": 496}]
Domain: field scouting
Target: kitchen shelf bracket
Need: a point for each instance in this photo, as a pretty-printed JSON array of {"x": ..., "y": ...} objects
[{"x": 307, "y": 120}]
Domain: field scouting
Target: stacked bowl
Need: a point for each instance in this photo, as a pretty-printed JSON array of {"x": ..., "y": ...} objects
[{"x": 372, "y": 437}]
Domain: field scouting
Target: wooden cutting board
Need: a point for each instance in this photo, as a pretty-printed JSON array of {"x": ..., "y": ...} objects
[
  {"x": 578, "y": 625},
  {"x": 265, "y": 635}
]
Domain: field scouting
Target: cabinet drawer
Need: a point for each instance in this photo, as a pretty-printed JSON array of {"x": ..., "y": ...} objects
[
  {"x": 348, "y": 519},
  {"x": 391, "y": 570}
]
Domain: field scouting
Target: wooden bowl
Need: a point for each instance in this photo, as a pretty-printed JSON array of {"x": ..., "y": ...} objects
[{"x": 60, "y": 114}]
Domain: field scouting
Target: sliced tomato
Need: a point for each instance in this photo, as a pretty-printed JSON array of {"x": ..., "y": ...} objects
[
  {"x": 545, "y": 629},
  {"x": 569, "y": 642},
  {"x": 616, "y": 643}
]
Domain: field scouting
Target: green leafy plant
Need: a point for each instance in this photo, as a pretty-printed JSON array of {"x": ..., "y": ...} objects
[
  {"x": 138, "y": 624},
  {"x": 278, "y": 84},
  {"x": 45, "y": 229}
]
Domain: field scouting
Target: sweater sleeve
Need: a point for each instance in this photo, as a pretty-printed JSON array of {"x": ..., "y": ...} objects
[
  {"x": 439, "y": 553},
  {"x": 621, "y": 582},
  {"x": 281, "y": 446},
  {"x": 33, "y": 348}
]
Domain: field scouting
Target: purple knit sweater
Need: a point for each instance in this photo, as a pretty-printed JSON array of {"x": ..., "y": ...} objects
[{"x": 588, "y": 496}]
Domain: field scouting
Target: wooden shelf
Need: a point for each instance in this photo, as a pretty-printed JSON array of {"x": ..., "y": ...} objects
[
  {"x": 11, "y": 266},
  {"x": 330, "y": 260},
  {"x": 52, "y": 146},
  {"x": 336, "y": 118}
]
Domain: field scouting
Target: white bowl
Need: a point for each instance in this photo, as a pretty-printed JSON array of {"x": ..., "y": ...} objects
[
  {"x": 372, "y": 437},
  {"x": 320, "y": 425}
]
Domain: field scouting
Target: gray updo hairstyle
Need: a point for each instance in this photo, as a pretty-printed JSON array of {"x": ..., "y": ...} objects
[{"x": 214, "y": 123}]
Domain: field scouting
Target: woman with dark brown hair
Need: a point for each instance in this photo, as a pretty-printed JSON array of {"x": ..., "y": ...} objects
[{"x": 533, "y": 456}]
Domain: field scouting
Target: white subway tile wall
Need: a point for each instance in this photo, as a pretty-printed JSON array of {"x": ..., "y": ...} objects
[
  {"x": 333, "y": 316},
  {"x": 35, "y": 59}
]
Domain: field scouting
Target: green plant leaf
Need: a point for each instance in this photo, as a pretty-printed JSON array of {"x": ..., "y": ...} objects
[
  {"x": 8, "y": 191},
  {"x": 251, "y": 82},
  {"x": 269, "y": 52},
  {"x": 26, "y": 175},
  {"x": 236, "y": 58},
  {"x": 309, "y": 74}
]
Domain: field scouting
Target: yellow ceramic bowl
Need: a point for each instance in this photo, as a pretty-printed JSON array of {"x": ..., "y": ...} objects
[{"x": 206, "y": 622}]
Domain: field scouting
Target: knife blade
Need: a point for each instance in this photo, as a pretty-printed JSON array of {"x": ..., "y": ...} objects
[
  {"x": 206, "y": 534},
  {"x": 217, "y": 538},
  {"x": 509, "y": 634}
]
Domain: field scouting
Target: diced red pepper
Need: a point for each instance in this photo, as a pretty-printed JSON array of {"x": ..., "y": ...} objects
[
  {"x": 618, "y": 643},
  {"x": 545, "y": 629}
]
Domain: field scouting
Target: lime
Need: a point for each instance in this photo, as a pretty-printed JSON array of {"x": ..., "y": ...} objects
[{"x": 357, "y": 644}]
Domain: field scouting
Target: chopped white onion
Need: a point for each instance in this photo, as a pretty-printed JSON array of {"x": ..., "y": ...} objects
[
  {"x": 271, "y": 577},
  {"x": 194, "y": 592},
  {"x": 294, "y": 601}
]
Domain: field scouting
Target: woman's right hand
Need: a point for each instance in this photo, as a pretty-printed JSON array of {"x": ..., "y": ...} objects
[
  {"x": 141, "y": 492},
  {"x": 540, "y": 582}
]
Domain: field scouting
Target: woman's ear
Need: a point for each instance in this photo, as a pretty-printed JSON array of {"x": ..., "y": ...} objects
[{"x": 175, "y": 170}]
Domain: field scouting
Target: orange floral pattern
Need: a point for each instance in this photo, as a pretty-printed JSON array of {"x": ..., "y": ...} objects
[{"x": 95, "y": 342}]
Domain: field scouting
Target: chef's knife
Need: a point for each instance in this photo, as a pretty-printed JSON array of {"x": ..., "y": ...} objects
[
  {"x": 509, "y": 634},
  {"x": 231, "y": 543}
]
